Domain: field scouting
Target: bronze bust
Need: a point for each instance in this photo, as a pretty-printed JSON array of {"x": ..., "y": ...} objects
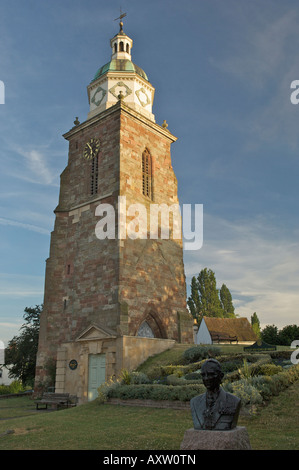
[{"x": 216, "y": 409}]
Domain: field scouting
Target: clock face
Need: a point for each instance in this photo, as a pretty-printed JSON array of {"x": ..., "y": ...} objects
[{"x": 91, "y": 149}]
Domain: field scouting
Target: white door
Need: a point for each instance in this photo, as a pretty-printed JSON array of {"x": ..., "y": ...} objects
[{"x": 96, "y": 374}]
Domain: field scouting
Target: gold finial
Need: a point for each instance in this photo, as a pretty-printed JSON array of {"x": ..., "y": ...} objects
[
  {"x": 76, "y": 122},
  {"x": 120, "y": 96},
  {"x": 121, "y": 16},
  {"x": 165, "y": 125}
]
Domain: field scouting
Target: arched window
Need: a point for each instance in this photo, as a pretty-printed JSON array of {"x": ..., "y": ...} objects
[
  {"x": 121, "y": 46},
  {"x": 147, "y": 174},
  {"x": 115, "y": 48},
  {"x": 145, "y": 331},
  {"x": 151, "y": 326},
  {"x": 94, "y": 176},
  {"x": 127, "y": 48}
]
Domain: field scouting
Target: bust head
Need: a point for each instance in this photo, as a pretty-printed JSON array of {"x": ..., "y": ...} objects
[
  {"x": 216, "y": 409},
  {"x": 212, "y": 374}
]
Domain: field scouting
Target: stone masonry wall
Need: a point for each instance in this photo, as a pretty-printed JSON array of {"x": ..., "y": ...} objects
[
  {"x": 152, "y": 279},
  {"x": 114, "y": 283},
  {"x": 81, "y": 283}
]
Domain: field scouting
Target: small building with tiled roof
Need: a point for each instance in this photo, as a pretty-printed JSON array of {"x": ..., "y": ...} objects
[{"x": 225, "y": 330}]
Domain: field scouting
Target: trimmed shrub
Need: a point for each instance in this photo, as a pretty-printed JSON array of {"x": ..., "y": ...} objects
[
  {"x": 248, "y": 370},
  {"x": 161, "y": 372},
  {"x": 174, "y": 380},
  {"x": 156, "y": 392},
  {"x": 230, "y": 366},
  {"x": 139, "y": 378},
  {"x": 193, "y": 376},
  {"x": 248, "y": 394},
  {"x": 267, "y": 369},
  {"x": 266, "y": 385},
  {"x": 197, "y": 353},
  {"x": 293, "y": 373},
  {"x": 127, "y": 377},
  {"x": 280, "y": 354}
]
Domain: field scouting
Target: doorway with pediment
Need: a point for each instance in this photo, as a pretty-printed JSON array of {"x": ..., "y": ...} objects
[{"x": 98, "y": 355}]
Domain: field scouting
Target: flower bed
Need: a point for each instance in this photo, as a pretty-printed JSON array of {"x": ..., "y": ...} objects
[
  {"x": 254, "y": 378},
  {"x": 260, "y": 388}
]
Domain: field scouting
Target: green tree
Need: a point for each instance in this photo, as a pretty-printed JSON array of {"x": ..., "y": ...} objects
[
  {"x": 288, "y": 334},
  {"x": 204, "y": 299},
  {"x": 194, "y": 301},
  {"x": 255, "y": 323},
  {"x": 270, "y": 334},
  {"x": 226, "y": 302},
  {"x": 21, "y": 351}
]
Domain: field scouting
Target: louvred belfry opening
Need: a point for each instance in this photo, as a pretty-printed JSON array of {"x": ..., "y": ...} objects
[
  {"x": 94, "y": 176},
  {"x": 147, "y": 174}
]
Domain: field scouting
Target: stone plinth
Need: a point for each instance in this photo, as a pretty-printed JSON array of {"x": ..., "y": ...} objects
[{"x": 234, "y": 439}]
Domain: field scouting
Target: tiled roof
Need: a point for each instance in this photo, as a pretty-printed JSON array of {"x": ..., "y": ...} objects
[{"x": 228, "y": 327}]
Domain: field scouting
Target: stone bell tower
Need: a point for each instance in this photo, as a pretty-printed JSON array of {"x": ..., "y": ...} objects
[{"x": 113, "y": 300}]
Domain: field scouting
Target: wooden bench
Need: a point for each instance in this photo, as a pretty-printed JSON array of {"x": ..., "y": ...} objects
[
  {"x": 56, "y": 400},
  {"x": 223, "y": 338}
]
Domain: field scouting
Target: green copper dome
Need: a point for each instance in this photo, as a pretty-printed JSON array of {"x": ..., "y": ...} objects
[{"x": 120, "y": 65}]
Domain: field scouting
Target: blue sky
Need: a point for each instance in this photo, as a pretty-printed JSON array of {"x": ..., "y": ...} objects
[{"x": 222, "y": 71}]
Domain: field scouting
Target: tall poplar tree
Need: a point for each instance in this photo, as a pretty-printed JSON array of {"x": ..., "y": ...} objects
[
  {"x": 255, "y": 323},
  {"x": 204, "y": 299},
  {"x": 227, "y": 302},
  {"x": 194, "y": 301}
]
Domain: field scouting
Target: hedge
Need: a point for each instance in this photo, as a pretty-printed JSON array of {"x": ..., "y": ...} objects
[{"x": 151, "y": 392}]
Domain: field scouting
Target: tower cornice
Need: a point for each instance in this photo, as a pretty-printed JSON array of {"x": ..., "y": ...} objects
[{"x": 121, "y": 107}]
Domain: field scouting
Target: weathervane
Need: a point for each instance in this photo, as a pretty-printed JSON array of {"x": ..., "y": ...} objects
[{"x": 122, "y": 15}]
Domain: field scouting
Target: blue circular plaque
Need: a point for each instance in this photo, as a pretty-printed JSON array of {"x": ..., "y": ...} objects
[{"x": 73, "y": 364}]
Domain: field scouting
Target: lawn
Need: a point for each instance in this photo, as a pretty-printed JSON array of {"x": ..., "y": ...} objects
[
  {"x": 95, "y": 426},
  {"x": 111, "y": 427}
]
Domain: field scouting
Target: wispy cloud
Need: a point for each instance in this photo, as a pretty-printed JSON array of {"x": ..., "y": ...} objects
[
  {"x": 37, "y": 165},
  {"x": 21, "y": 285},
  {"x": 23, "y": 293},
  {"x": 263, "y": 49},
  {"x": 15, "y": 223},
  {"x": 264, "y": 63}
]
